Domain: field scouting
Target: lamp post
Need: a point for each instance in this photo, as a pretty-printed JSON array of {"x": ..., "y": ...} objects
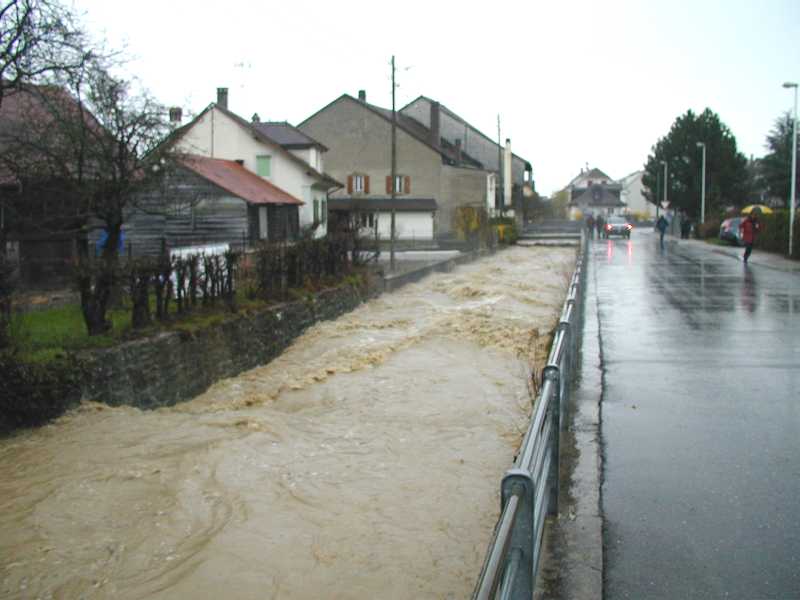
[
  {"x": 666, "y": 182},
  {"x": 793, "y": 187},
  {"x": 703, "y": 185}
]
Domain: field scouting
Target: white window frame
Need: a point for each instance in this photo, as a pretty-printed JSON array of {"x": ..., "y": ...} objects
[{"x": 358, "y": 183}]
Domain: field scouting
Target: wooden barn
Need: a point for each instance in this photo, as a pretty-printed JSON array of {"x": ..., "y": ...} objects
[{"x": 208, "y": 201}]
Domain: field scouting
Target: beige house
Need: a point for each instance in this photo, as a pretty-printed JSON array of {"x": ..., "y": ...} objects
[{"x": 434, "y": 176}]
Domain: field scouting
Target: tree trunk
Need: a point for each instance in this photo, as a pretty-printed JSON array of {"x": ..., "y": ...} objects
[{"x": 96, "y": 282}]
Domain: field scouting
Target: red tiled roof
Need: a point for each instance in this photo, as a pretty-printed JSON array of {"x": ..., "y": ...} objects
[{"x": 234, "y": 178}]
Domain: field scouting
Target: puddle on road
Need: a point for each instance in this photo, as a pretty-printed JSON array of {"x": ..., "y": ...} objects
[{"x": 362, "y": 463}]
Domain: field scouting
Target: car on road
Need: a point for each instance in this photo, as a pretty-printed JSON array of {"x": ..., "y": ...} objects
[
  {"x": 618, "y": 226},
  {"x": 729, "y": 231}
]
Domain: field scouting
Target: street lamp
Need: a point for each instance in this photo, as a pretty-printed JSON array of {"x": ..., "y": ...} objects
[
  {"x": 787, "y": 85},
  {"x": 663, "y": 162},
  {"x": 703, "y": 185}
]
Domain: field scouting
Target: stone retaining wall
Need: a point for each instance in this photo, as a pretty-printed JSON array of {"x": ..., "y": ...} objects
[{"x": 177, "y": 366}]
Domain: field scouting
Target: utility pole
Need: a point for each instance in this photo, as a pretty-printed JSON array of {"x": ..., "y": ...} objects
[
  {"x": 500, "y": 188},
  {"x": 394, "y": 173}
]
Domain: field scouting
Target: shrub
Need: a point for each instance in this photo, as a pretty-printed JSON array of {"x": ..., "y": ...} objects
[{"x": 709, "y": 229}]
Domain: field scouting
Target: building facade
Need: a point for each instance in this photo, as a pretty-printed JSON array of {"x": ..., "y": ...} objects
[{"x": 434, "y": 177}]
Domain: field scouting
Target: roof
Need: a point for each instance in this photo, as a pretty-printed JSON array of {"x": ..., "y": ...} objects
[
  {"x": 413, "y": 128},
  {"x": 323, "y": 178},
  {"x": 416, "y": 129},
  {"x": 29, "y": 111},
  {"x": 287, "y": 135},
  {"x": 598, "y": 195},
  {"x": 443, "y": 108},
  {"x": 383, "y": 204},
  {"x": 591, "y": 174},
  {"x": 234, "y": 178}
]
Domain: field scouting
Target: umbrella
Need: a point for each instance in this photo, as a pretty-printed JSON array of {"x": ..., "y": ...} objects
[{"x": 762, "y": 208}]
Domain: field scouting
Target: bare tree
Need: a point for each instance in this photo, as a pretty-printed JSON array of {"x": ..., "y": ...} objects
[
  {"x": 82, "y": 152},
  {"x": 38, "y": 38}
]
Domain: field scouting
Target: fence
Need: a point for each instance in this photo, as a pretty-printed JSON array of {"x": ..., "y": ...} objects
[{"x": 529, "y": 490}]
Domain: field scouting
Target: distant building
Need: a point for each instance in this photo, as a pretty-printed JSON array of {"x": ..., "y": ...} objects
[
  {"x": 434, "y": 176},
  {"x": 455, "y": 130},
  {"x": 594, "y": 192},
  {"x": 633, "y": 196}
]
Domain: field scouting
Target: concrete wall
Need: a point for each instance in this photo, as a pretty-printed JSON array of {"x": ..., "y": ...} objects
[
  {"x": 174, "y": 367},
  {"x": 460, "y": 187}
]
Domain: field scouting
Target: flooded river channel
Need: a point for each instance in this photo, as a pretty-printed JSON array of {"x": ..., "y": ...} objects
[{"x": 362, "y": 463}]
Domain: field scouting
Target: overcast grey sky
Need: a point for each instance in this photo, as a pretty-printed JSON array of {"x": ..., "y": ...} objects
[{"x": 574, "y": 82}]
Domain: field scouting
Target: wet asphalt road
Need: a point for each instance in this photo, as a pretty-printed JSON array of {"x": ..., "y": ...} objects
[{"x": 700, "y": 421}]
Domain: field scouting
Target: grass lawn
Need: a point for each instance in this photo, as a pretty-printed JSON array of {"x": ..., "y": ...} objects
[{"x": 44, "y": 335}]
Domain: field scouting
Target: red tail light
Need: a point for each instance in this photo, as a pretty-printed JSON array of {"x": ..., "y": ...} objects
[{"x": 608, "y": 227}]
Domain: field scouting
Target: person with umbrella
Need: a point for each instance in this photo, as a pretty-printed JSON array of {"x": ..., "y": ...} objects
[{"x": 748, "y": 229}]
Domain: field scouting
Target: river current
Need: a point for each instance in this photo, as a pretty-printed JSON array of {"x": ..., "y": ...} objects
[{"x": 364, "y": 462}]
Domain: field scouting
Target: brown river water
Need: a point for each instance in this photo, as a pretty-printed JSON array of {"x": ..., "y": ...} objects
[{"x": 362, "y": 463}]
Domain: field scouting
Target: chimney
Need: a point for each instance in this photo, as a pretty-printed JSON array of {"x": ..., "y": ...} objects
[
  {"x": 362, "y": 95},
  {"x": 458, "y": 150},
  {"x": 222, "y": 98},
  {"x": 256, "y": 118},
  {"x": 175, "y": 115},
  {"x": 435, "y": 135}
]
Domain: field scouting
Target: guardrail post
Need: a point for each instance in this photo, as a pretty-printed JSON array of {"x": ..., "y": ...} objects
[
  {"x": 565, "y": 366},
  {"x": 553, "y": 373},
  {"x": 520, "y": 482}
]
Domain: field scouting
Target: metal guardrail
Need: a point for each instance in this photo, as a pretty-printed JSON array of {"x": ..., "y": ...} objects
[{"x": 529, "y": 490}]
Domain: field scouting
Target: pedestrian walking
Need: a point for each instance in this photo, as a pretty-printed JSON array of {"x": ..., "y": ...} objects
[
  {"x": 662, "y": 225},
  {"x": 590, "y": 225},
  {"x": 686, "y": 226},
  {"x": 601, "y": 226},
  {"x": 748, "y": 229}
]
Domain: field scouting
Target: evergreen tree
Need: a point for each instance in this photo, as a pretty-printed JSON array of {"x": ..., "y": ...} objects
[
  {"x": 777, "y": 164},
  {"x": 726, "y": 167}
]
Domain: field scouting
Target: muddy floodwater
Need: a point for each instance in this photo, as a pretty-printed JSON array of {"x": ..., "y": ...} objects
[{"x": 363, "y": 463}]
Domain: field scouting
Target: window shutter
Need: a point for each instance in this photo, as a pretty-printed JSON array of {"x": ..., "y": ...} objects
[
  {"x": 366, "y": 184},
  {"x": 388, "y": 184},
  {"x": 349, "y": 184},
  {"x": 407, "y": 184},
  {"x": 316, "y": 210}
]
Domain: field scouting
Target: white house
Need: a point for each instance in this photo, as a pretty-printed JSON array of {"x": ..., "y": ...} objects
[
  {"x": 295, "y": 166},
  {"x": 633, "y": 195}
]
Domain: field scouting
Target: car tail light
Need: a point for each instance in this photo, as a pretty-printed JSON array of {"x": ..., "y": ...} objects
[{"x": 608, "y": 227}]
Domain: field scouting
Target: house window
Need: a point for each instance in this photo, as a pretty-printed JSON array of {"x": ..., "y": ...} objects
[
  {"x": 264, "y": 166},
  {"x": 368, "y": 220},
  {"x": 402, "y": 184},
  {"x": 316, "y": 211},
  {"x": 324, "y": 211},
  {"x": 358, "y": 183}
]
